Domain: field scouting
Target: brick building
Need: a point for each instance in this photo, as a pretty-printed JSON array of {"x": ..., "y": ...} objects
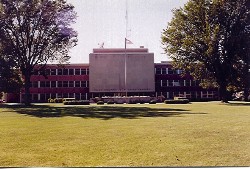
[{"x": 105, "y": 76}]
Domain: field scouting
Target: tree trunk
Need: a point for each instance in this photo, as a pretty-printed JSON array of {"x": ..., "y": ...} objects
[
  {"x": 27, "y": 85},
  {"x": 223, "y": 93}
]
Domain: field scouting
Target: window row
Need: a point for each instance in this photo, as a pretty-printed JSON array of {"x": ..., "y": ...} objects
[
  {"x": 53, "y": 84},
  {"x": 188, "y": 94},
  {"x": 169, "y": 83},
  {"x": 165, "y": 71},
  {"x": 45, "y": 97},
  {"x": 48, "y": 72}
]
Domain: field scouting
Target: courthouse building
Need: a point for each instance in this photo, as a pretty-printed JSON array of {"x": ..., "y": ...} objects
[{"x": 114, "y": 72}]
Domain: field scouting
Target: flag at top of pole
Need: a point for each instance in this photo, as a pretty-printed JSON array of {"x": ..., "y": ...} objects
[{"x": 128, "y": 41}]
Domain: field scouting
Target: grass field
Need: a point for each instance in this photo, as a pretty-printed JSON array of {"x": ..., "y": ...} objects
[{"x": 197, "y": 134}]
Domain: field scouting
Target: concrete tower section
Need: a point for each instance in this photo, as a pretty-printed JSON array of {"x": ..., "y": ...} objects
[{"x": 116, "y": 70}]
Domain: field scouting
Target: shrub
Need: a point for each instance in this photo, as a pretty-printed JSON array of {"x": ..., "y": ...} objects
[
  {"x": 77, "y": 102},
  {"x": 100, "y": 102},
  {"x": 51, "y": 100},
  {"x": 110, "y": 102},
  {"x": 58, "y": 100},
  {"x": 180, "y": 101},
  {"x": 152, "y": 102}
]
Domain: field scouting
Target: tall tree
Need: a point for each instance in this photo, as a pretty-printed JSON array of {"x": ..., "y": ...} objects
[
  {"x": 211, "y": 40},
  {"x": 32, "y": 33},
  {"x": 10, "y": 79}
]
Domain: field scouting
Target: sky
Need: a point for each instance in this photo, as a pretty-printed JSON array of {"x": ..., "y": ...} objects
[{"x": 103, "y": 21}]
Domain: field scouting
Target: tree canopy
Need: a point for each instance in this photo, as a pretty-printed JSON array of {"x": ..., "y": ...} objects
[
  {"x": 33, "y": 33},
  {"x": 211, "y": 40}
]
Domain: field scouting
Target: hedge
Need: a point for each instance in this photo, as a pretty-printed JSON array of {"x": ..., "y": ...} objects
[
  {"x": 76, "y": 102},
  {"x": 180, "y": 101}
]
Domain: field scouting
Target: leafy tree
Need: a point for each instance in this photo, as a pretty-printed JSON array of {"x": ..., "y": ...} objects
[
  {"x": 33, "y": 33},
  {"x": 10, "y": 80},
  {"x": 211, "y": 40}
]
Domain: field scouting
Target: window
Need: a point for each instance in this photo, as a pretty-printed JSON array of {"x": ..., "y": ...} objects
[
  {"x": 77, "y": 96},
  {"x": 164, "y": 83},
  {"x": 163, "y": 71},
  {"x": 77, "y": 84},
  {"x": 71, "y": 95},
  {"x": 170, "y": 83},
  {"x": 65, "y": 84},
  {"x": 77, "y": 72},
  {"x": 71, "y": 83},
  {"x": 53, "y": 72},
  {"x": 42, "y": 83},
  {"x": 47, "y": 71},
  {"x": 87, "y": 71},
  {"x": 170, "y": 71},
  {"x": 59, "y": 84},
  {"x": 187, "y": 82},
  {"x": 157, "y": 71},
  {"x": 53, "y": 95},
  {"x": 35, "y": 84},
  {"x": 71, "y": 71},
  {"x": 53, "y": 83},
  {"x": 83, "y": 72},
  {"x": 47, "y": 84},
  {"x": 65, "y": 71},
  {"x": 59, "y": 72},
  {"x": 42, "y": 97},
  {"x": 65, "y": 95},
  {"x": 83, "y": 83},
  {"x": 176, "y": 83}
]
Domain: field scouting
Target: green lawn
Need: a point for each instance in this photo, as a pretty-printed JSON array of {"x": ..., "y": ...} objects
[{"x": 197, "y": 134}]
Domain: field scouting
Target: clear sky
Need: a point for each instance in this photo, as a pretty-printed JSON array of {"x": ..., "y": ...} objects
[{"x": 101, "y": 21}]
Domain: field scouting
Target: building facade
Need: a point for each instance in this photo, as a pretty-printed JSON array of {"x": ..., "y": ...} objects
[
  {"x": 114, "y": 72},
  {"x": 121, "y": 72}
]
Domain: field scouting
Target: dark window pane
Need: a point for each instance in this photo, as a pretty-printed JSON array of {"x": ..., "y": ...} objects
[
  {"x": 158, "y": 71},
  {"x": 71, "y": 71},
  {"x": 59, "y": 72},
  {"x": 77, "y": 72},
  {"x": 59, "y": 84},
  {"x": 65, "y": 84},
  {"x": 47, "y": 84},
  {"x": 77, "y": 83},
  {"x": 53, "y": 83},
  {"x": 71, "y": 83},
  {"x": 53, "y": 72},
  {"x": 164, "y": 71},
  {"x": 83, "y": 72},
  {"x": 42, "y": 84},
  {"x": 65, "y": 71},
  {"x": 47, "y": 71}
]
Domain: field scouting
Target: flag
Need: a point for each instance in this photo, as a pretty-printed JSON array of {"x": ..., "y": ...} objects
[{"x": 128, "y": 41}]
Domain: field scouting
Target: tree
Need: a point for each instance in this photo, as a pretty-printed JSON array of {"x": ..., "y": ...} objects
[
  {"x": 10, "y": 80},
  {"x": 211, "y": 40},
  {"x": 33, "y": 33}
]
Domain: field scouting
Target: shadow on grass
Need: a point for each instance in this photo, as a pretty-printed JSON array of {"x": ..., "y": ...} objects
[{"x": 100, "y": 112}]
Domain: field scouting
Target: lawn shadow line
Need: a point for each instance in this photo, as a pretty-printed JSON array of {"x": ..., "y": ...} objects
[{"x": 99, "y": 112}]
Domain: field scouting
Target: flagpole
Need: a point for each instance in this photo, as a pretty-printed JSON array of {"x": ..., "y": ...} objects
[
  {"x": 125, "y": 71},
  {"x": 126, "y": 67}
]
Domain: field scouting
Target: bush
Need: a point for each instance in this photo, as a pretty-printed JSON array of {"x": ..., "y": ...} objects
[
  {"x": 180, "y": 101},
  {"x": 100, "y": 102},
  {"x": 152, "y": 102},
  {"x": 51, "y": 100},
  {"x": 110, "y": 102},
  {"x": 77, "y": 102},
  {"x": 58, "y": 100}
]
